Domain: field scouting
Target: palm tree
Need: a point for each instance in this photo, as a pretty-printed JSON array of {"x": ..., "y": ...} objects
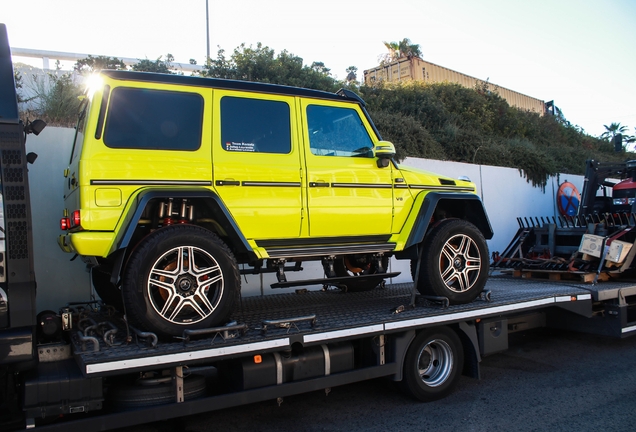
[
  {"x": 612, "y": 130},
  {"x": 401, "y": 49}
]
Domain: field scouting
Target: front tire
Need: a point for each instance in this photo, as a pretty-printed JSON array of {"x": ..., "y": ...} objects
[
  {"x": 433, "y": 364},
  {"x": 454, "y": 262},
  {"x": 180, "y": 277}
]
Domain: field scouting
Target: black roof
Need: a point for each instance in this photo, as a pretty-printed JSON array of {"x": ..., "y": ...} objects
[{"x": 341, "y": 95}]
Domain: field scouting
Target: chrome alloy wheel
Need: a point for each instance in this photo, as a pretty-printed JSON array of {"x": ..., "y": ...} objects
[
  {"x": 185, "y": 285},
  {"x": 460, "y": 263},
  {"x": 435, "y": 363}
]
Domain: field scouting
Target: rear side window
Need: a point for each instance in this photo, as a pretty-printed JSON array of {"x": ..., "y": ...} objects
[
  {"x": 153, "y": 119},
  {"x": 255, "y": 125}
]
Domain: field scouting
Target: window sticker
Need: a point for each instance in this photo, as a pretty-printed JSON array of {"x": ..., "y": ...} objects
[{"x": 240, "y": 146}]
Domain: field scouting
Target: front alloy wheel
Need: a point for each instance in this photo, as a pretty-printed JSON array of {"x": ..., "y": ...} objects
[
  {"x": 180, "y": 277},
  {"x": 454, "y": 262}
]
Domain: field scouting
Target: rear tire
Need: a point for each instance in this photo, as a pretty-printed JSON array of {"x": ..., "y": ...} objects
[
  {"x": 454, "y": 263},
  {"x": 433, "y": 364},
  {"x": 180, "y": 277}
]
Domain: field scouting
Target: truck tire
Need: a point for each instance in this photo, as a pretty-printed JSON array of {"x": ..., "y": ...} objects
[
  {"x": 359, "y": 265},
  {"x": 433, "y": 364},
  {"x": 180, "y": 277},
  {"x": 454, "y": 263},
  {"x": 131, "y": 396}
]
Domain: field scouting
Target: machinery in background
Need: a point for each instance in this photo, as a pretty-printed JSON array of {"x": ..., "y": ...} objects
[{"x": 593, "y": 234}]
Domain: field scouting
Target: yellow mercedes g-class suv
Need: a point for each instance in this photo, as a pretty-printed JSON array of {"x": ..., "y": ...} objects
[{"x": 174, "y": 181}]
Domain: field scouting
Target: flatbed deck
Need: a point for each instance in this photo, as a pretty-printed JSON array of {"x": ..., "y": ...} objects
[{"x": 338, "y": 316}]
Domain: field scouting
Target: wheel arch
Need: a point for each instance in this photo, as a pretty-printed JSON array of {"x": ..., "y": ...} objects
[
  {"x": 219, "y": 211},
  {"x": 442, "y": 205},
  {"x": 123, "y": 241}
]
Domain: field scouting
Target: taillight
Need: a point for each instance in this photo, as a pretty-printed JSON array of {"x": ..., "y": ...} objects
[
  {"x": 65, "y": 223},
  {"x": 75, "y": 219}
]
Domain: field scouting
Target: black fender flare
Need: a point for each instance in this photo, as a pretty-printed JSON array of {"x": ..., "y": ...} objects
[
  {"x": 474, "y": 212},
  {"x": 221, "y": 214}
]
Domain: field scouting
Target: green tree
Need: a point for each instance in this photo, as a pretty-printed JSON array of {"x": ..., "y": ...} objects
[
  {"x": 94, "y": 64},
  {"x": 352, "y": 74},
  {"x": 157, "y": 66},
  {"x": 612, "y": 130},
  {"x": 260, "y": 63}
]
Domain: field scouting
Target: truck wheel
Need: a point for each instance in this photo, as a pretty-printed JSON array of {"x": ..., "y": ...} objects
[
  {"x": 454, "y": 262},
  {"x": 359, "y": 265},
  {"x": 125, "y": 397},
  {"x": 180, "y": 277},
  {"x": 433, "y": 364},
  {"x": 106, "y": 290}
]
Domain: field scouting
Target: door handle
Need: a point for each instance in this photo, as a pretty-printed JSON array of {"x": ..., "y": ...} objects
[{"x": 318, "y": 184}]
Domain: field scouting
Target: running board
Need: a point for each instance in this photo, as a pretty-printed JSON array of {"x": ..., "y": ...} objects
[{"x": 333, "y": 281}]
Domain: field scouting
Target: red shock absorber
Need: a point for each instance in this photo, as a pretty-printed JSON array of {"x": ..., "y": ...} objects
[
  {"x": 184, "y": 208},
  {"x": 168, "y": 220}
]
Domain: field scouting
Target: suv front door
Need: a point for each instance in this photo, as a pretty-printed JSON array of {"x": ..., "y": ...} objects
[{"x": 348, "y": 195}]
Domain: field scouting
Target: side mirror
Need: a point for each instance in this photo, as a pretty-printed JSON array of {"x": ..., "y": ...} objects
[
  {"x": 384, "y": 151},
  {"x": 35, "y": 127}
]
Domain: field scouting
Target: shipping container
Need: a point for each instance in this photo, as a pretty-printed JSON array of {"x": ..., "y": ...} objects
[{"x": 414, "y": 68}]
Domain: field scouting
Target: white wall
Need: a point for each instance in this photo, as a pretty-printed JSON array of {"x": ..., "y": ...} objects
[
  {"x": 505, "y": 192},
  {"x": 58, "y": 279}
]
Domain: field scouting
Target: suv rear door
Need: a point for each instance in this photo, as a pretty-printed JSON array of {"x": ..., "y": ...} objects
[{"x": 256, "y": 160}]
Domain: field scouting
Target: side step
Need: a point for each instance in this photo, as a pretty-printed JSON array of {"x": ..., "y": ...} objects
[{"x": 333, "y": 281}]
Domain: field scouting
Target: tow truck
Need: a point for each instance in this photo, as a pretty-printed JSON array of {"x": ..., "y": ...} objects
[{"x": 84, "y": 367}]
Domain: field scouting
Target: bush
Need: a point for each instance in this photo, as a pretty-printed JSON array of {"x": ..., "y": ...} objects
[{"x": 56, "y": 98}]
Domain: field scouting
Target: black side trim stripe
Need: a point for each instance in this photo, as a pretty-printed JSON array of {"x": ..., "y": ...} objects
[
  {"x": 271, "y": 184},
  {"x": 362, "y": 185},
  {"x": 444, "y": 188},
  {"x": 152, "y": 182}
]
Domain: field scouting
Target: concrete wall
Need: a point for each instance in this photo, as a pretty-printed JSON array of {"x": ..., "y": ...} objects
[{"x": 504, "y": 191}]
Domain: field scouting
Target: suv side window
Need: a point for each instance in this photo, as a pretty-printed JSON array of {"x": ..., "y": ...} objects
[
  {"x": 255, "y": 125},
  {"x": 337, "y": 131},
  {"x": 154, "y": 120}
]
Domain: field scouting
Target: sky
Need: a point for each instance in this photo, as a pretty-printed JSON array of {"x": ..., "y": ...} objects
[{"x": 579, "y": 53}]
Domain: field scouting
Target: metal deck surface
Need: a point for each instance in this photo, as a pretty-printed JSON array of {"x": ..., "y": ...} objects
[{"x": 339, "y": 316}]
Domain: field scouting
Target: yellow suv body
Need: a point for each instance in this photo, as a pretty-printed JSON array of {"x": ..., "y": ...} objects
[{"x": 174, "y": 180}]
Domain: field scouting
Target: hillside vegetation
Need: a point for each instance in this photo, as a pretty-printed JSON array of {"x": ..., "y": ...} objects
[{"x": 450, "y": 122}]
